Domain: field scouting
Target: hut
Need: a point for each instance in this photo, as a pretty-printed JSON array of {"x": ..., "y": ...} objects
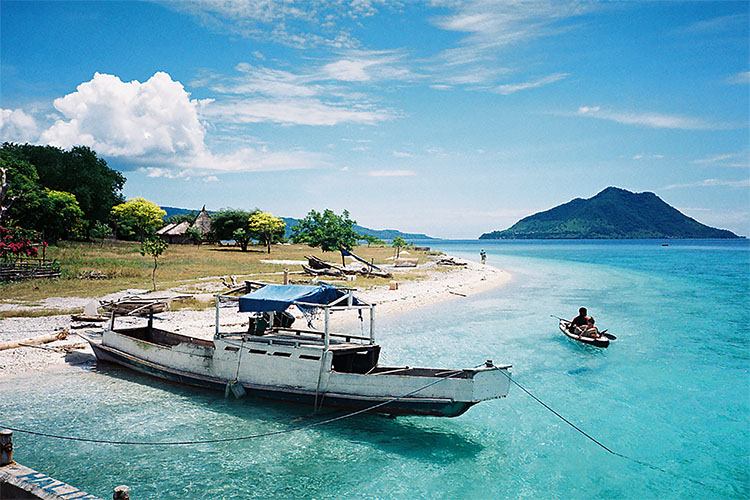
[{"x": 177, "y": 233}]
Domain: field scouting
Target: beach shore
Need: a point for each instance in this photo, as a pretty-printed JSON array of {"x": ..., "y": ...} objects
[{"x": 435, "y": 285}]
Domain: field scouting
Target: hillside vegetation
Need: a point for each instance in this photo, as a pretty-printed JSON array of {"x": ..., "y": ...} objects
[{"x": 613, "y": 213}]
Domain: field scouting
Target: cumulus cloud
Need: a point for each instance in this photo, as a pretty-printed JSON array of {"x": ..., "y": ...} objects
[
  {"x": 119, "y": 118},
  {"x": 515, "y": 87},
  {"x": 210, "y": 178},
  {"x": 17, "y": 126},
  {"x": 649, "y": 119}
]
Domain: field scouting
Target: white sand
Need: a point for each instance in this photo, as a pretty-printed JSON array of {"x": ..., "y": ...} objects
[{"x": 438, "y": 285}]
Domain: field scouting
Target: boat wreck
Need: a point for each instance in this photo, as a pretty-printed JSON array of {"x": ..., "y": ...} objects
[{"x": 270, "y": 359}]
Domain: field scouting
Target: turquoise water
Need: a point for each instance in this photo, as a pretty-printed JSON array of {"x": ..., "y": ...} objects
[{"x": 672, "y": 391}]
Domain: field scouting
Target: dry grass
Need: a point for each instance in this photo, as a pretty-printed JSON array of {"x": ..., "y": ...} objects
[{"x": 182, "y": 265}]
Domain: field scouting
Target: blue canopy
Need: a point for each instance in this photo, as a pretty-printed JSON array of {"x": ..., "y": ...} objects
[{"x": 277, "y": 298}]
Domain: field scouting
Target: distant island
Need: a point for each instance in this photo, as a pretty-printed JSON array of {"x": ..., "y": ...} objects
[
  {"x": 613, "y": 213},
  {"x": 383, "y": 234}
]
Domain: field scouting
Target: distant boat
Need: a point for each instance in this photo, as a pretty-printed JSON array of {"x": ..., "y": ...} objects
[
  {"x": 272, "y": 360},
  {"x": 596, "y": 342}
]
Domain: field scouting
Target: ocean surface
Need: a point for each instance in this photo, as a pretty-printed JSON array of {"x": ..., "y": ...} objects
[{"x": 671, "y": 395}]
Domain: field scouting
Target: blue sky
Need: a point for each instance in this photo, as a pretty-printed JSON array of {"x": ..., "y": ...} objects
[{"x": 451, "y": 118}]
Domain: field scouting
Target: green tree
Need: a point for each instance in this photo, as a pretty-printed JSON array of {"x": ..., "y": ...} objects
[
  {"x": 398, "y": 243},
  {"x": 19, "y": 186},
  {"x": 79, "y": 171},
  {"x": 326, "y": 230},
  {"x": 226, "y": 221},
  {"x": 371, "y": 240},
  {"x": 266, "y": 228},
  {"x": 153, "y": 246},
  {"x": 137, "y": 218},
  {"x": 186, "y": 217},
  {"x": 242, "y": 238},
  {"x": 194, "y": 234},
  {"x": 59, "y": 216},
  {"x": 100, "y": 231}
]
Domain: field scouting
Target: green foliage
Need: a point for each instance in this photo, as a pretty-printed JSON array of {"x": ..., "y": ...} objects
[
  {"x": 16, "y": 242},
  {"x": 100, "y": 231},
  {"x": 398, "y": 243},
  {"x": 225, "y": 222},
  {"x": 153, "y": 247},
  {"x": 186, "y": 217},
  {"x": 371, "y": 240},
  {"x": 613, "y": 213},
  {"x": 266, "y": 228},
  {"x": 59, "y": 215},
  {"x": 137, "y": 218},
  {"x": 242, "y": 238},
  {"x": 326, "y": 230},
  {"x": 97, "y": 188},
  {"x": 194, "y": 234}
]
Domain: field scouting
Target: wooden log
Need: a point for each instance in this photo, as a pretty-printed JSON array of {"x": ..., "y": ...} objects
[
  {"x": 6, "y": 447},
  {"x": 34, "y": 341}
]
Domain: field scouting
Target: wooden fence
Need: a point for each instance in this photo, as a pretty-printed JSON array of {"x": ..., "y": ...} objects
[{"x": 29, "y": 269}]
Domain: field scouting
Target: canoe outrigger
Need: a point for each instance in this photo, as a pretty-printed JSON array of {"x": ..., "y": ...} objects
[{"x": 272, "y": 360}]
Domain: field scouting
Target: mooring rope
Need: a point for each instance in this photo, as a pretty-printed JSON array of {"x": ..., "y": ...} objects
[
  {"x": 599, "y": 443},
  {"x": 239, "y": 438}
]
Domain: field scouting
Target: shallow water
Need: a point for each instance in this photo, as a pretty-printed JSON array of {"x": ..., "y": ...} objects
[{"x": 672, "y": 391}]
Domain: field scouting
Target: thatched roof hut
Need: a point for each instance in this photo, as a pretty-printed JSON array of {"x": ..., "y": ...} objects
[{"x": 177, "y": 233}]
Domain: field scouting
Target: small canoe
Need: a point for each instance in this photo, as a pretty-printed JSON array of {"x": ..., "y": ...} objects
[{"x": 600, "y": 342}]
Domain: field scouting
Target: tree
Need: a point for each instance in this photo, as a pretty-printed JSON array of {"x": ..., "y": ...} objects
[
  {"x": 326, "y": 230},
  {"x": 137, "y": 218},
  {"x": 266, "y": 228},
  {"x": 79, "y": 171},
  {"x": 186, "y": 217},
  {"x": 100, "y": 231},
  {"x": 154, "y": 247},
  {"x": 242, "y": 238},
  {"x": 398, "y": 243},
  {"x": 194, "y": 234},
  {"x": 371, "y": 240},
  {"x": 225, "y": 222},
  {"x": 59, "y": 215},
  {"x": 19, "y": 183}
]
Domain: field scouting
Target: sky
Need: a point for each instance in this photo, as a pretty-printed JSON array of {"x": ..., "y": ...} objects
[{"x": 451, "y": 118}]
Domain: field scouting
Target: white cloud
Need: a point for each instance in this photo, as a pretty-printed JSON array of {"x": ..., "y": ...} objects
[
  {"x": 167, "y": 173},
  {"x": 391, "y": 173},
  {"x": 647, "y": 156},
  {"x": 649, "y": 119},
  {"x": 401, "y": 154},
  {"x": 739, "y": 78},
  {"x": 129, "y": 119},
  {"x": 292, "y": 112},
  {"x": 366, "y": 66},
  {"x": 512, "y": 88},
  {"x": 210, "y": 178},
  {"x": 17, "y": 126},
  {"x": 726, "y": 160},
  {"x": 712, "y": 183}
]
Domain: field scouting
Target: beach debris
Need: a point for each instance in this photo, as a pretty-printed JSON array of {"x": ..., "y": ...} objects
[
  {"x": 406, "y": 262},
  {"x": 318, "y": 267},
  {"x": 92, "y": 275},
  {"x": 34, "y": 341},
  {"x": 231, "y": 283},
  {"x": 131, "y": 306},
  {"x": 450, "y": 261}
]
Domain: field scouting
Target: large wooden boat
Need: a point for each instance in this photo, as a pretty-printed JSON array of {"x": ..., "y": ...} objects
[{"x": 270, "y": 359}]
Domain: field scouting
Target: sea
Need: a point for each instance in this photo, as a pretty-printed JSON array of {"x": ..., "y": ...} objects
[{"x": 663, "y": 413}]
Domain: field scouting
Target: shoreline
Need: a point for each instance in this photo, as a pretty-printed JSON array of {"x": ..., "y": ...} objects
[{"x": 439, "y": 285}]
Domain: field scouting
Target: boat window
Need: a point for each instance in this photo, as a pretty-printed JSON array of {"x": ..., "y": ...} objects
[{"x": 257, "y": 351}]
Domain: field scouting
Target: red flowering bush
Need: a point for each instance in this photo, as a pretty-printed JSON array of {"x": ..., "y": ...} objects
[{"x": 16, "y": 242}]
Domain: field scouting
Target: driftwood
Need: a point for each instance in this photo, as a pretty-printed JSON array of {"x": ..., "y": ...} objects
[
  {"x": 87, "y": 317},
  {"x": 406, "y": 262},
  {"x": 34, "y": 341},
  {"x": 450, "y": 261},
  {"x": 318, "y": 267},
  {"x": 132, "y": 306}
]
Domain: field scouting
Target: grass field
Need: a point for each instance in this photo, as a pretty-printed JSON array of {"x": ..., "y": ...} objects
[{"x": 179, "y": 265}]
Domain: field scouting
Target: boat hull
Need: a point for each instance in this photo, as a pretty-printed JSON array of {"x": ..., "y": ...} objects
[
  {"x": 330, "y": 389},
  {"x": 602, "y": 342}
]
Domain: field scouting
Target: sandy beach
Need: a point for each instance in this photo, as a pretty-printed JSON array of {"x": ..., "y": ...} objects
[{"x": 453, "y": 283}]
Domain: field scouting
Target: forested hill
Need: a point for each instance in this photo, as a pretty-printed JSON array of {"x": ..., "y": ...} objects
[
  {"x": 383, "y": 234},
  {"x": 613, "y": 213}
]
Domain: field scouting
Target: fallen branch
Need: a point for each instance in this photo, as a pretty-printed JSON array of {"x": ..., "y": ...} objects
[{"x": 34, "y": 341}]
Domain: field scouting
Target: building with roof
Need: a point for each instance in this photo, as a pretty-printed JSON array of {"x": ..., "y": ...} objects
[{"x": 177, "y": 233}]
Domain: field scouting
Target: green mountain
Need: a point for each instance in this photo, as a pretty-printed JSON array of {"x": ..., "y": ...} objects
[
  {"x": 613, "y": 213},
  {"x": 383, "y": 234}
]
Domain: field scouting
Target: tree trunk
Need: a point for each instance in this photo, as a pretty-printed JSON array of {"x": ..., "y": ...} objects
[{"x": 153, "y": 274}]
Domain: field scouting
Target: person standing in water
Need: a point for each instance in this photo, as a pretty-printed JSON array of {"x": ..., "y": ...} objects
[{"x": 483, "y": 255}]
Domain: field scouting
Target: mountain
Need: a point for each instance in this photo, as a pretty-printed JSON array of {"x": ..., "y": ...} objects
[
  {"x": 383, "y": 234},
  {"x": 613, "y": 213}
]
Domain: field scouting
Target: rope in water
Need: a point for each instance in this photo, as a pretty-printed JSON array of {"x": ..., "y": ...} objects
[
  {"x": 594, "y": 440},
  {"x": 239, "y": 438}
]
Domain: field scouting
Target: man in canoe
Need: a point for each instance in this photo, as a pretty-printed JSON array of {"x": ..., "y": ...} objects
[
  {"x": 580, "y": 321},
  {"x": 590, "y": 330}
]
